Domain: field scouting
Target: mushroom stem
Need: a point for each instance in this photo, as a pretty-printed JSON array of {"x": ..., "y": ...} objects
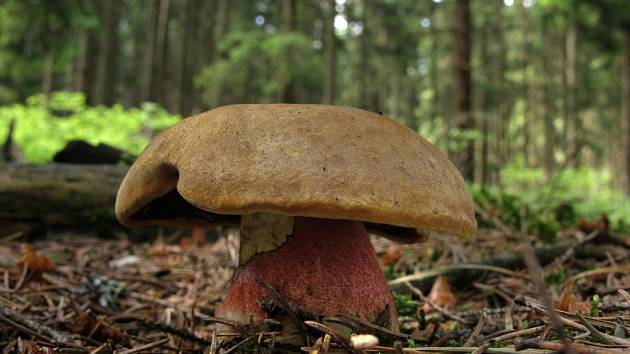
[{"x": 327, "y": 267}]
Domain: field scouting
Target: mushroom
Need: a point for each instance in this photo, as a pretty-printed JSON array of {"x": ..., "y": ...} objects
[{"x": 306, "y": 183}]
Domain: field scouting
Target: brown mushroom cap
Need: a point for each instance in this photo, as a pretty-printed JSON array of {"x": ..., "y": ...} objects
[{"x": 301, "y": 160}]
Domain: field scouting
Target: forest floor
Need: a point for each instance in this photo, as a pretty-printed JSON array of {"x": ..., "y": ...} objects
[{"x": 74, "y": 294}]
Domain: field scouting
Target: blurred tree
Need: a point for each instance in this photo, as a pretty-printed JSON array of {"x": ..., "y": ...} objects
[
  {"x": 329, "y": 51},
  {"x": 106, "y": 72},
  {"x": 462, "y": 100},
  {"x": 546, "y": 81}
]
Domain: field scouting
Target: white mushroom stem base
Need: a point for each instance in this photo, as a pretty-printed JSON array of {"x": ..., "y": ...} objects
[{"x": 327, "y": 267}]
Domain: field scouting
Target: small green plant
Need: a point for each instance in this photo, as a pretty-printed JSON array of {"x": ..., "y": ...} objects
[
  {"x": 405, "y": 305},
  {"x": 390, "y": 273},
  {"x": 594, "y": 304},
  {"x": 556, "y": 277}
]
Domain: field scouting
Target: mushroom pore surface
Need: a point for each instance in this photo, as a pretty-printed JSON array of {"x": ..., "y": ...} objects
[{"x": 327, "y": 267}]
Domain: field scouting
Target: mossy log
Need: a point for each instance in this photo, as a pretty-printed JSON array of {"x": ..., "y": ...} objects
[{"x": 38, "y": 198}]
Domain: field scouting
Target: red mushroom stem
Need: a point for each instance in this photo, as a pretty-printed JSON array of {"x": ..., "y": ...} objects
[{"x": 327, "y": 267}]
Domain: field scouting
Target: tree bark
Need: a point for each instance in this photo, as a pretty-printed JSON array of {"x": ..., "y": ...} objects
[
  {"x": 462, "y": 89},
  {"x": 108, "y": 54},
  {"x": 626, "y": 105},
  {"x": 483, "y": 166},
  {"x": 433, "y": 75},
  {"x": 364, "y": 66},
  {"x": 188, "y": 63},
  {"x": 57, "y": 196},
  {"x": 47, "y": 74},
  {"x": 287, "y": 87},
  {"x": 549, "y": 130},
  {"x": 329, "y": 52},
  {"x": 571, "y": 123},
  {"x": 149, "y": 53},
  {"x": 78, "y": 81},
  {"x": 221, "y": 19},
  {"x": 524, "y": 56},
  {"x": 159, "y": 52},
  {"x": 501, "y": 100}
]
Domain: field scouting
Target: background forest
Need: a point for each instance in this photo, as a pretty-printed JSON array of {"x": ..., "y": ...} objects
[{"x": 530, "y": 98}]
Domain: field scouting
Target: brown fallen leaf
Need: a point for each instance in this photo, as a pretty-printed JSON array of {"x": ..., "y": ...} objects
[
  {"x": 569, "y": 302},
  {"x": 441, "y": 295},
  {"x": 37, "y": 265},
  {"x": 392, "y": 255}
]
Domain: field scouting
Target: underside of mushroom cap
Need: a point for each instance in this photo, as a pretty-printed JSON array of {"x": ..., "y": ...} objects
[{"x": 302, "y": 160}]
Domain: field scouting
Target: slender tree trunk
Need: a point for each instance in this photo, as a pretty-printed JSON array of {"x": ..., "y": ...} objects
[
  {"x": 571, "y": 124},
  {"x": 149, "y": 53},
  {"x": 525, "y": 85},
  {"x": 287, "y": 89},
  {"x": 107, "y": 64},
  {"x": 626, "y": 105},
  {"x": 222, "y": 17},
  {"x": 364, "y": 100},
  {"x": 483, "y": 166},
  {"x": 411, "y": 104},
  {"x": 433, "y": 75},
  {"x": 78, "y": 82},
  {"x": 159, "y": 52},
  {"x": 47, "y": 74},
  {"x": 501, "y": 95},
  {"x": 462, "y": 89},
  {"x": 91, "y": 67},
  {"x": 329, "y": 52},
  {"x": 188, "y": 67},
  {"x": 549, "y": 110}
]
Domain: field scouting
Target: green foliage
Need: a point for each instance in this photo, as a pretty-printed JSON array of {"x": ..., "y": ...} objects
[
  {"x": 594, "y": 304},
  {"x": 390, "y": 273},
  {"x": 258, "y": 64},
  {"x": 545, "y": 208},
  {"x": 556, "y": 277},
  {"x": 29, "y": 31},
  {"x": 42, "y": 131},
  {"x": 405, "y": 305}
]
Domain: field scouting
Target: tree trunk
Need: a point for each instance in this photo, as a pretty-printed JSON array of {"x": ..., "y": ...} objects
[
  {"x": 287, "y": 88},
  {"x": 525, "y": 85},
  {"x": 222, "y": 17},
  {"x": 433, "y": 75},
  {"x": 462, "y": 114},
  {"x": 571, "y": 124},
  {"x": 549, "y": 110},
  {"x": 626, "y": 105},
  {"x": 364, "y": 66},
  {"x": 47, "y": 74},
  {"x": 188, "y": 65},
  {"x": 501, "y": 100},
  {"x": 329, "y": 52},
  {"x": 159, "y": 53},
  {"x": 78, "y": 82},
  {"x": 483, "y": 166},
  {"x": 91, "y": 66},
  {"x": 108, "y": 54},
  {"x": 57, "y": 196},
  {"x": 149, "y": 53},
  {"x": 410, "y": 103}
]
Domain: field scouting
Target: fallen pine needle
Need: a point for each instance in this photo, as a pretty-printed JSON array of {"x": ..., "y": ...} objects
[{"x": 447, "y": 269}]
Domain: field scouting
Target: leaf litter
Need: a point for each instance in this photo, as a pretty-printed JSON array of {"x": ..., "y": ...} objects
[{"x": 75, "y": 294}]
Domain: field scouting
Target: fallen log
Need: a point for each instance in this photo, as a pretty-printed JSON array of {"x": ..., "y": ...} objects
[{"x": 39, "y": 198}]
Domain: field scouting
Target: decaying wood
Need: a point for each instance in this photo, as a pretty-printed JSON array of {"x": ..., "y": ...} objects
[{"x": 44, "y": 197}]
